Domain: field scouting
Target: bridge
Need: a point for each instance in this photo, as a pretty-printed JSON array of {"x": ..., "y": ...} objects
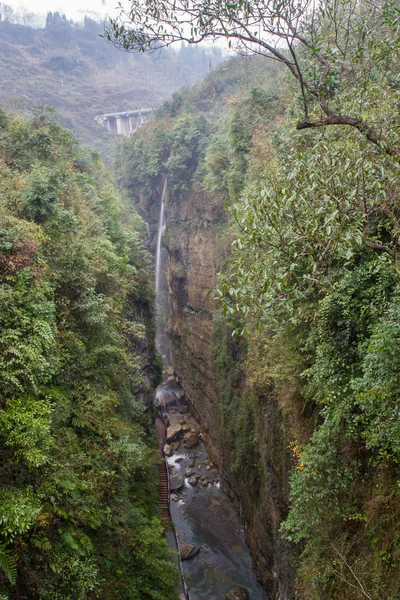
[{"x": 124, "y": 123}]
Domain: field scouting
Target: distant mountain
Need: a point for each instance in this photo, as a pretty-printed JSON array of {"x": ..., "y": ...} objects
[{"x": 70, "y": 67}]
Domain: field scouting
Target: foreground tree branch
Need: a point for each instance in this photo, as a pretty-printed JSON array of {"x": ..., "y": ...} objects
[
  {"x": 327, "y": 52},
  {"x": 364, "y": 128}
]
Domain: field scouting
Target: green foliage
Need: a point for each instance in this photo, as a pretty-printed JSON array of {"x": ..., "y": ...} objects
[
  {"x": 8, "y": 565},
  {"x": 75, "y": 342},
  {"x": 25, "y": 424},
  {"x": 172, "y": 149},
  {"x": 315, "y": 257}
]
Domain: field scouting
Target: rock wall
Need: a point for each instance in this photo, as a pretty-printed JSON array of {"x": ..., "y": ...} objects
[{"x": 196, "y": 230}]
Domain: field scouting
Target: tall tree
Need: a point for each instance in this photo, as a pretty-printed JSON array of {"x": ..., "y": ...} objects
[{"x": 327, "y": 46}]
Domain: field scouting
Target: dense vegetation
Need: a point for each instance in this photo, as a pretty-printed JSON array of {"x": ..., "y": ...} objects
[
  {"x": 70, "y": 67},
  {"x": 311, "y": 287},
  {"x": 78, "y": 502}
]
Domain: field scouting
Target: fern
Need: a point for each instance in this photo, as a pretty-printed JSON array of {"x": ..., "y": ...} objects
[{"x": 8, "y": 564}]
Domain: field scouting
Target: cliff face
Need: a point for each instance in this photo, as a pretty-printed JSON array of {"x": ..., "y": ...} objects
[{"x": 242, "y": 427}]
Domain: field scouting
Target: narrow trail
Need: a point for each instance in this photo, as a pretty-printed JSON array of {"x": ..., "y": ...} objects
[
  {"x": 163, "y": 486},
  {"x": 164, "y": 495}
]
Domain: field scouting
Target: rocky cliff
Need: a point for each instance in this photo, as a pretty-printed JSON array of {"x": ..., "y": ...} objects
[{"x": 248, "y": 443}]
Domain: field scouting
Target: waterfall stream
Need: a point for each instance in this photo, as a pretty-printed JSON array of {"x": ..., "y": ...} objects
[
  {"x": 161, "y": 229},
  {"x": 206, "y": 524}
]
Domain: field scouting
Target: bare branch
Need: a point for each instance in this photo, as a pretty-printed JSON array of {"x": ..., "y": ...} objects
[{"x": 372, "y": 135}]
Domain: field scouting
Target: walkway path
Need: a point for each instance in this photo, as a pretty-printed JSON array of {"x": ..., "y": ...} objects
[{"x": 163, "y": 489}]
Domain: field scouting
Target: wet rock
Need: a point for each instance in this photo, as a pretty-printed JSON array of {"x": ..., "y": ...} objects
[
  {"x": 176, "y": 483},
  {"x": 187, "y": 550},
  {"x": 168, "y": 450},
  {"x": 174, "y": 433},
  {"x": 239, "y": 593},
  {"x": 180, "y": 459},
  {"x": 182, "y": 421},
  {"x": 175, "y": 498},
  {"x": 181, "y": 394},
  {"x": 166, "y": 420},
  {"x": 186, "y": 427},
  {"x": 191, "y": 463},
  {"x": 191, "y": 439},
  {"x": 193, "y": 480},
  {"x": 170, "y": 370},
  {"x": 204, "y": 483},
  {"x": 189, "y": 472},
  {"x": 208, "y": 467},
  {"x": 171, "y": 378}
]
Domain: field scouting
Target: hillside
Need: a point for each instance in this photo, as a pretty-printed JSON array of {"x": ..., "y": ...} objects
[
  {"x": 71, "y": 68},
  {"x": 79, "y": 515}
]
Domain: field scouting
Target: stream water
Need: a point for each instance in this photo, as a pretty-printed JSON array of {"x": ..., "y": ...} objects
[{"x": 203, "y": 515}]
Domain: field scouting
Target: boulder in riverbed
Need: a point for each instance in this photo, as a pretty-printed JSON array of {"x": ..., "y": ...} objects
[
  {"x": 174, "y": 433},
  {"x": 187, "y": 550},
  {"x": 176, "y": 483},
  {"x": 239, "y": 593},
  {"x": 168, "y": 450},
  {"x": 193, "y": 480},
  {"x": 191, "y": 438}
]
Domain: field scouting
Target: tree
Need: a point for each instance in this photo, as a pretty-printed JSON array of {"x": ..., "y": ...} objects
[
  {"x": 327, "y": 46},
  {"x": 6, "y": 12}
]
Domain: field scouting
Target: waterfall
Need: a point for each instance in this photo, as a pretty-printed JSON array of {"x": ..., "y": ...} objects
[
  {"x": 161, "y": 229},
  {"x": 160, "y": 282}
]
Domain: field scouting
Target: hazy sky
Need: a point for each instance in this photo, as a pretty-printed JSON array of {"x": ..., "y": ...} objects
[{"x": 74, "y": 9}]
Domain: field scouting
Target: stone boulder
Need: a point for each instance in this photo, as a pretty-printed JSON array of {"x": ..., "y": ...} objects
[
  {"x": 174, "y": 432},
  {"x": 239, "y": 593},
  {"x": 187, "y": 550},
  {"x": 193, "y": 479},
  {"x": 191, "y": 439},
  {"x": 168, "y": 450},
  {"x": 176, "y": 483}
]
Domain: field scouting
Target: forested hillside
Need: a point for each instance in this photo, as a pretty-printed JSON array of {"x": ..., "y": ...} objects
[
  {"x": 79, "y": 516},
  {"x": 290, "y": 192},
  {"x": 70, "y": 67}
]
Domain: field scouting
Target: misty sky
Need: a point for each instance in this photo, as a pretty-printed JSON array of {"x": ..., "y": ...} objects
[{"x": 74, "y": 9}]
